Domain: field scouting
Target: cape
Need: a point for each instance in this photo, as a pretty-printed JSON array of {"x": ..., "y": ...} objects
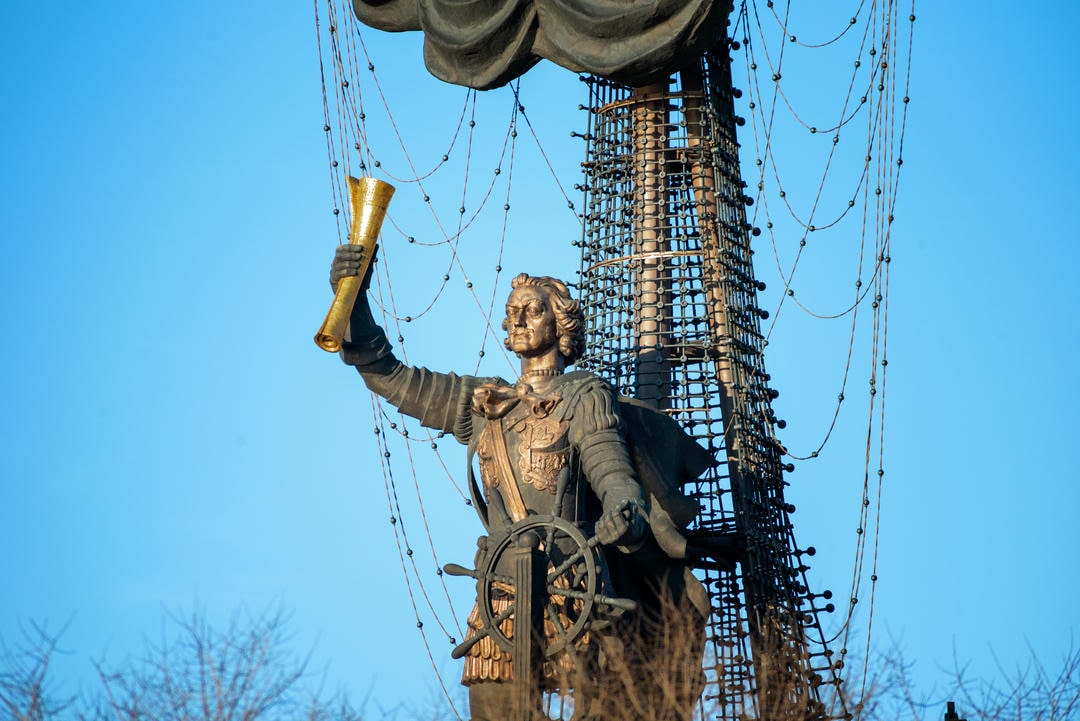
[{"x": 666, "y": 459}]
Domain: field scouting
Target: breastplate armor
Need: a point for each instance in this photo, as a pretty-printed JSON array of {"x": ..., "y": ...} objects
[{"x": 537, "y": 449}]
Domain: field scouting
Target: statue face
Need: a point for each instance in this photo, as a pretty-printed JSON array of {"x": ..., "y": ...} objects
[{"x": 530, "y": 322}]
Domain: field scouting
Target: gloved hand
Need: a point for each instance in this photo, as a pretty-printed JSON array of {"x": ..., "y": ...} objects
[
  {"x": 481, "y": 552},
  {"x": 622, "y": 525},
  {"x": 362, "y": 327},
  {"x": 347, "y": 261}
]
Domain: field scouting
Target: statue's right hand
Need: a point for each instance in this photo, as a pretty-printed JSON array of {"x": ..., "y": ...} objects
[
  {"x": 622, "y": 525},
  {"x": 481, "y": 552},
  {"x": 347, "y": 261}
]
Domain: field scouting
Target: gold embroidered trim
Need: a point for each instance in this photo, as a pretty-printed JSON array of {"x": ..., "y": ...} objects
[{"x": 494, "y": 441}]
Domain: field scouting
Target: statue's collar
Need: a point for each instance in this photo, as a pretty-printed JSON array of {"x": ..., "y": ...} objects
[
  {"x": 493, "y": 400},
  {"x": 539, "y": 373}
]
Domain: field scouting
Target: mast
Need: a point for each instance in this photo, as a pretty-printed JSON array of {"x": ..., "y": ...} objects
[{"x": 670, "y": 297}]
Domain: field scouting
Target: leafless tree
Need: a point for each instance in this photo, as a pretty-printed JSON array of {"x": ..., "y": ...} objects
[
  {"x": 1029, "y": 691},
  {"x": 244, "y": 672},
  {"x": 248, "y": 672},
  {"x": 25, "y": 693}
]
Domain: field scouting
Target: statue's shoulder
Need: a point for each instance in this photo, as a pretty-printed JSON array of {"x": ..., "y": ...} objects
[
  {"x": 583, "y": 387},
  {"x": 576, "y": 382},
  {"x": 470, "y": 383}
]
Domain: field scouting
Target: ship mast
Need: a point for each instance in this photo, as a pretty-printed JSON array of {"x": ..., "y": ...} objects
[{"x": 670, "y": 296}]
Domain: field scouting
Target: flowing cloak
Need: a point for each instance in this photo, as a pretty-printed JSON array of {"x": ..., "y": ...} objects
[
  {"x": 484, "y": 44},
  {"x": 666, "y": 459}
]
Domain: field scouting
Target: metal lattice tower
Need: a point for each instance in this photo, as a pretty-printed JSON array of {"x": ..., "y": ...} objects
[{"x": 670, "y": 297}]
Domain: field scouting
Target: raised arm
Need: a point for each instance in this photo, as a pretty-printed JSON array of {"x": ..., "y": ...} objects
[{"x": 437, "y": 400}]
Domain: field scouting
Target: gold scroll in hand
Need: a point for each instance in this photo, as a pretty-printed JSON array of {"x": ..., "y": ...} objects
[{"x": 369, "y": 198}]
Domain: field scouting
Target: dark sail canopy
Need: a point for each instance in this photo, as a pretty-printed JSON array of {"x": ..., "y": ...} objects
[{"x": 484, "y": 44}]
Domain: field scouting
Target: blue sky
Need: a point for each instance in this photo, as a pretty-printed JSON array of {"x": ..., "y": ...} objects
[{"x": 172, "y": 437}]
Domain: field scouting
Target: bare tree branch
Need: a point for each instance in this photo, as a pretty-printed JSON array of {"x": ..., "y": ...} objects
[
  {"x": 244, "y": 672},
  {"x": 25, "y": 693}
]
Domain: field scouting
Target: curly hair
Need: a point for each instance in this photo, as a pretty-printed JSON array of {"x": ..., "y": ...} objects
[{"x": 569, "y": 319}]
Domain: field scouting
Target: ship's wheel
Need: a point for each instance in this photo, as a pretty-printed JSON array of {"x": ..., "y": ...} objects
[{"x": 569, "y": 595}]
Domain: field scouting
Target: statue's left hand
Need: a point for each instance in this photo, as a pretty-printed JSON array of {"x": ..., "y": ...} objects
[{"x": 622, "y": 525}]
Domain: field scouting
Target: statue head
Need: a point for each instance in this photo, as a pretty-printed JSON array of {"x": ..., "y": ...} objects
[{"x": 541, "y": 313}]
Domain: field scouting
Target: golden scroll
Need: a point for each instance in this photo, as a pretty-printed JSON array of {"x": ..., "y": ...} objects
[{"x": 369, "y": 199}]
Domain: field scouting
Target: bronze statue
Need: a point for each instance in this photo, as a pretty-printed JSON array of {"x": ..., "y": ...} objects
[{"x": 572, "y": 475}]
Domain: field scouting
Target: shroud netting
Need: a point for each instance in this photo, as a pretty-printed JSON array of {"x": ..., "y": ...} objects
[{"x": 670, "y": 299}]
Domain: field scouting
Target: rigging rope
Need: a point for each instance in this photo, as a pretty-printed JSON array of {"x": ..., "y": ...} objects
[
  {"x": 347, "y": 72},
  {"x": 878, "y": 58},
  {"x": 347, "y": 69}
]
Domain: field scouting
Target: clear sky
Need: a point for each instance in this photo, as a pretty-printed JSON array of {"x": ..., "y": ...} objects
[{"x": 171, "y": 437}]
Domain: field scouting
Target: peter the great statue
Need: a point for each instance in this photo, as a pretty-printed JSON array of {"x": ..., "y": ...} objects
[{"x": 581, "y": 484}]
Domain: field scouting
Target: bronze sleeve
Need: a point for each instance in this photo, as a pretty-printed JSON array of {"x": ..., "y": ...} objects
[
  {"x": 438, "y": 400},
  {"x": 596, "y": 432}
]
